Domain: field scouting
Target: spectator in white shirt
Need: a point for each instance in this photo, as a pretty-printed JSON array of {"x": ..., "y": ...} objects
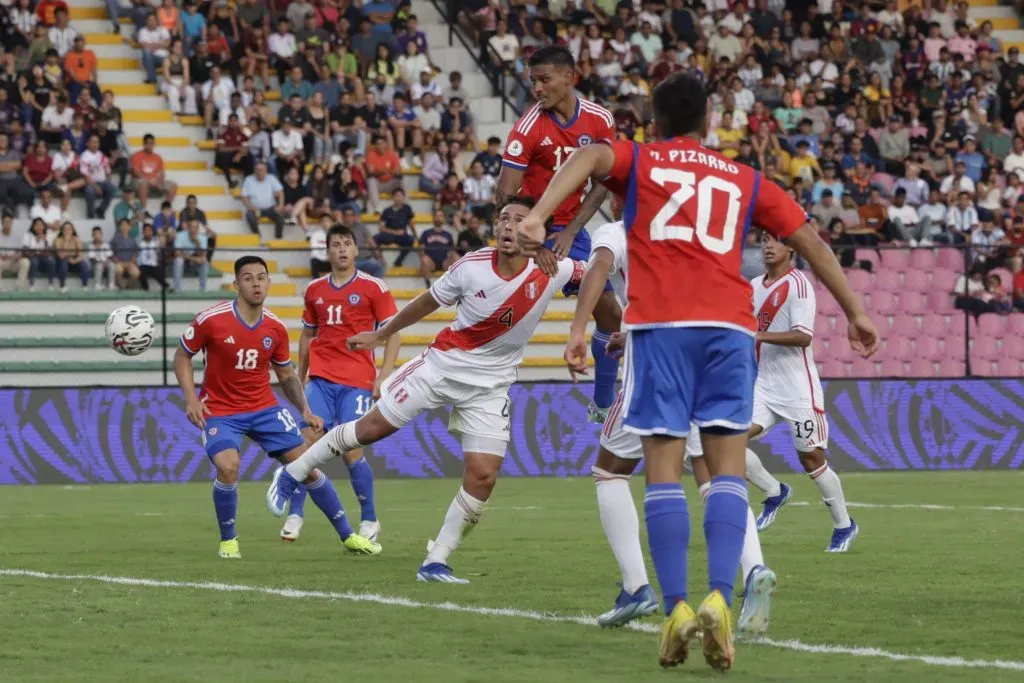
[
  {"x": 609, "y": 69},
  {"x": 282, "y": 47},
  {"x": 36, "y": 249},
  {"x": 735, "y": 20},
  {"x": 55, "y": 119},
  {"x": 505, "y": 46},
  {"x": 724, "y": 44},
  {"x": 648, "y": 42},
  {"x": 46, "y": 210},
  {"x": 288, "y": 150},
  {"x": 11, "y": 258},
  {"x": 95, "y": 169},
  {"x": 216, "y": 94},
  {"x": 154, "y": 41},
  {"x": 1014, "y": 161},
  {"x": 412, "y": 63},
  {"x": 743, "y": 98},
  {"x": 905, "y": 217},
  {"x": 479, "y": 188},
  {"x": 426, "y": 84},
  {"x": 957, "y": 183},
  {"x": 100, "y": 258},
  {"x": 235, "y": 107},
  {"x": 986, "y": 243},
  {"x": 62, "y": 35},
  {"x": 962, "y": 217},
  {"x": 430, "y": 119}
]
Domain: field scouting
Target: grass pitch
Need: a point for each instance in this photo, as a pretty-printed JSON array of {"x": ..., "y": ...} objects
[{"x": 933, "y": 582}]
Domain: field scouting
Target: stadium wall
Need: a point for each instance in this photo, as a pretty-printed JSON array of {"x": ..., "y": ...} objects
[{"x": 128, "y": 435}]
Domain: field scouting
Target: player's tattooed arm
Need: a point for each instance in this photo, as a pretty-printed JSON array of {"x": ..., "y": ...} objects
[
  {"x": 291, "y": 387},
  {"x": 592, "y": 160},
  {"x": 412, "y": 313},
  {"x": 789, "y": 338},
  {"x": 509, "y": 181},
  {"x": 590, "y": 206}
]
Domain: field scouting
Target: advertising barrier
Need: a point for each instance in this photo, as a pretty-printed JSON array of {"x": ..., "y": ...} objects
[{"x": 129, "y": 435}]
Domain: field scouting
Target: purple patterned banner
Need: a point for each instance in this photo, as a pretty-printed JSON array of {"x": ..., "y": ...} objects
[{"x": 74, "y": 436}]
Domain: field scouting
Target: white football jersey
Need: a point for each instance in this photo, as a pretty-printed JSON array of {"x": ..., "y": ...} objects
[
  {"x": 612, "y": 236},
  {"x": 786, "y": 374},
  {"x": 494, "y": 318}
]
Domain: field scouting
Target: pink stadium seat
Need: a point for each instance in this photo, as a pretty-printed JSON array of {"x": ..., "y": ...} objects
[
  {"x": 829, "y": 322},
  {"x": 883, "y": 303},
  {"x": 893, "y": 368},
  {"x": 942, "y": 302},
  {"x": 896, "y": 259},
  {"x": 862, "y": 367},
  {"x": 899, "y": 348},
  {"x": 820, "y": 347},
  {"x": 1013, "y": 348},
  {"x": 905, "y": 326},
  {"x": 934, "y": 325},
  {"x": 919, "y": 367},
  {"x": 991, "y": 325},
  {"x": 1004, "y": 275},
  {"x": 827, "y": 305},
  {"x": 885, "y": 182},
  {"x": 984, "y": 348},
  {"x": 1008, "y": 367},
  {"x": 917, "y": 281},
  {"x": 951, "y": 368},
  {"x": 943, "y": 280},
  {"x": 923, "y": 259},
  {"x": 985, "y": 368},
  {"x": 869, "y": 255},
  {"x": 913, "y": 302},
  {"x": 1015, "y": 324},
  {"x": 928, "y": 348},
  {"x": 888, "y": 280},
  {"x": 859, "y": 279},
  {"x": 832, "y": 368},
  {"x": 951, "y": 259}
]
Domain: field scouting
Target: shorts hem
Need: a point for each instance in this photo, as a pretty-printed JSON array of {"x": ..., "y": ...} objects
[
  {"x": 656, "y": 431},
  {"x": 725, "y": 424},
  {"x": 394, "y": 420}
]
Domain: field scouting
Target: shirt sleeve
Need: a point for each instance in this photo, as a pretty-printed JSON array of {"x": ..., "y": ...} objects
[
  {"x": 195, "y": 336},
  {"x": 617, "y": 179},
  {"x": 802, "y": 307},
  {"x": 775, "y": 211},
  {"x": 610, "y": 236},
  {"x": 519, "y": 144},
  {"x": 447, "y": 290},
  {"x": 282, "y": 354},
  {"x": 309, "y": 315},
  {"x": 570, "y": 271},
  {"x": 384, "y": 308}
]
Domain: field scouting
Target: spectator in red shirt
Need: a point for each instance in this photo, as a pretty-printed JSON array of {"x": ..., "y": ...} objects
[
  {"x": 46, "y": 11},
  {"x": 37, "y": 168},
  {"x": 384, "y": 171},
  {"x": 232, "y": 151}
]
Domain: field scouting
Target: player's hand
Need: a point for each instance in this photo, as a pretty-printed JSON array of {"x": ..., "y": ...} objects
[
  {"x": 547, "y": 261},
  {"x": 616, "y": 345},
  {"x": 377, "y": 384},
  {"x": 562, "y": 244},
  {"x": 530, "y": 226},
  {"x": 863, "y": 336},
  {"x": 576, "y": 355},
  {"x": 315, "y": 422},
  {"x": 364, "y": 341},
  {"x": 197, "y": 411}
]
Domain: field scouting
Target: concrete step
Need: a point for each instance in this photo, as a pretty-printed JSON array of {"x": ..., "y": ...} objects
[
  {"x": 980, "y": 13},
  {"x": 427, "y": 13},
  {"x": 115, "y": 51}
]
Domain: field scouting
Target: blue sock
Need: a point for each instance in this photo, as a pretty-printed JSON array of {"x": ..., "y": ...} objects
[
  {"x": 298, "y": 506},
  {"x": 725, "y": 523},
  {"x": 668, "y": 536},
  {"x": 326, "y": 498},
  {"x": 606, "y": 370},
  {"x": 362, "y": 483},
  {"x": 225, "y": 502}
]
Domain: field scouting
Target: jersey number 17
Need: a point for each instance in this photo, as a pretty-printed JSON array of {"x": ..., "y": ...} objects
[{"x": 711, "y": 192}]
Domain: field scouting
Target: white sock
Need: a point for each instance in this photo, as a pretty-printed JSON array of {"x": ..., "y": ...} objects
[
  {"x": 462, "y": 516},
  {"x": 832, "y": 495},
  {"x": 339, "y": 440},
  {"x": 705, "y": 491},
  {"x": 751, "y": 555},
  {"x": 621, "y": 526},
  {"x": 760, "y": 477}
]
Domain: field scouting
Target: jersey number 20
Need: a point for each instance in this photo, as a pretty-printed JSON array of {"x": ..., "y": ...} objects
[{"x": 709, "y": 190}]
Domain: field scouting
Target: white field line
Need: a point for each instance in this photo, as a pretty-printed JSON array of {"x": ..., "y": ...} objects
[
  {"x": 919, "y": 506},
  {"x": 507, "y": 612}
]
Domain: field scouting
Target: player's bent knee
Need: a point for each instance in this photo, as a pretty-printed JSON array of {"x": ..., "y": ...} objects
[
  {"x": 227, "y": 463},
  {"x": 812, "y": 460},
  {"x": 373, "y": 427},
  {"x": 481, "y": 473},
  {"x": 613, "y": 464}
]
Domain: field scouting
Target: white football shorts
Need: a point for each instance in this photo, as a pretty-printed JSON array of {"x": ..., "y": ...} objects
[{"x": 808, "y": 427}]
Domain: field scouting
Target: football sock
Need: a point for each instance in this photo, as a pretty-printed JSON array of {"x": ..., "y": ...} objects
[
  {"x": 668, "y": 536},
  {"x": 362, "y": 483},
  {"x": 225, "y": 503},
  {"x": 463, "y": 514},
  {"x": 621, "y": 526},
  {"x": 725, "y": 524},
  {"x": 760, "y": 477},
  {"x": 606, "y": 369},
  {"x": 831, "y": 489},
  {"x": 339, "y": 440},
  {"x": 705, "y": 489},
  {"x": 298, "y": 501},
  {"x": 323, "y": 495},
  {"x": 751, "y": 555}
]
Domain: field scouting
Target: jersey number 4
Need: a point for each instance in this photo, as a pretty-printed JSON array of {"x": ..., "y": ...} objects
[{"x": 710, "y": 192}]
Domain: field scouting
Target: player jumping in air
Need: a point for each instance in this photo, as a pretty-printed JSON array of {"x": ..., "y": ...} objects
[
  {"x": 621, "y": 451},
  {"x": 788, "y": 389},
  {"x": 343, "y": 384},
  {"x": 241, "y": 340},
  {"x": 542, "y": 140},
  {"x": 690, "y": 340},
  {"x": 501, "y": 295}
]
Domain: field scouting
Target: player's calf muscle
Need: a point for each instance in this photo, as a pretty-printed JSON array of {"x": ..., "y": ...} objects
[
  {"x": 373, "y": 427},
  {"x": 480, "y": 474},
  {"x": 812, "y": 460},
  {"x": 607, "y": 313},
  {"x": 664, "y": 458}
]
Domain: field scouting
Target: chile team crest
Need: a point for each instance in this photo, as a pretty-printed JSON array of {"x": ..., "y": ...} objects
[
  {"x": 353, "y": 299},
  {"x": 584, "y": 140},
  {"x": 268, "y": 342}
]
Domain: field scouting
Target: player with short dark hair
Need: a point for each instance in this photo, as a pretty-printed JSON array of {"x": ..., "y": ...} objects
[
  {"x": 342, "y": 384},
  {"x": 691, "y": 336},
  {"x": 241, "y": 340},
  {"x": 541, "y": 141}
]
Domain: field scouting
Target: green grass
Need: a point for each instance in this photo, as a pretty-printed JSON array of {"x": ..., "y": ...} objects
[{"x": 923, "y": 582}]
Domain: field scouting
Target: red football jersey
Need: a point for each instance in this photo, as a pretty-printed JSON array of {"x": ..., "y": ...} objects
[
  {"x": 338, "y": 312},
  {"x": 238, "y": 357},
  {"x": 687, "y": 213},
  {"x": 538, "y": 144}
]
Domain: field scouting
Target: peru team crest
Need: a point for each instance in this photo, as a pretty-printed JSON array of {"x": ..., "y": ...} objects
[{"x": 531, "y": 290}]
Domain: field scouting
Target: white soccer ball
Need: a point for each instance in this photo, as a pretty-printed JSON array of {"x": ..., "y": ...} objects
[{"x": 129, "y": 330}]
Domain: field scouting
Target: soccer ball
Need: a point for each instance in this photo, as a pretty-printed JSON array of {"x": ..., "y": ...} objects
[{"x": 129, "y": 330}]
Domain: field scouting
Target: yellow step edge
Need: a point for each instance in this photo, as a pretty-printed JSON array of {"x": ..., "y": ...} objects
[
  {"x": 131, "y": 89},
  {"x": 185, "y": 166},
  {"x": 276, "y": 288},
  {"x": 191, "y": 120},
  {"x": 224, "y": 216},
  {"x": 228, "y": 265},
  {"x": 1002, "y": 23},
  {"x": 118, "y": 63},
  {"x": 201, "y": 190},
  {"x": 161, "y": 141},
  {"x": 103, "y": 39},
  {"x": 148, "y": 116},
  {"x": 235, "y": 240},
  {"x": 206, "y": 145},
  {"x": 286, "y": 244}
]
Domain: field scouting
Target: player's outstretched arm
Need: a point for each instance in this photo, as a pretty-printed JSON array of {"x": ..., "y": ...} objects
[
  {"x": 291, "y": 387},
  {"x": 590, "y": 291},
  {"x": 590, "y": 206},
  {"x": 509, "y": 181},
  {"x": 788, "y": 338},
  {"x": 592, "y": 160},
  {"x": 862, "y": 332},
  {"x": 416, "y": 310},
  {"x": 391, "y": 347},
  {"x": 195, "y": 409}
]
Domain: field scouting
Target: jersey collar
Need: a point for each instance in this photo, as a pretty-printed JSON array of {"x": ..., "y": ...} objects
[
  {"x": 330, "y": 280},
  {"x": 234, "y": 308},
  {"x": 575, "y": 116}
]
